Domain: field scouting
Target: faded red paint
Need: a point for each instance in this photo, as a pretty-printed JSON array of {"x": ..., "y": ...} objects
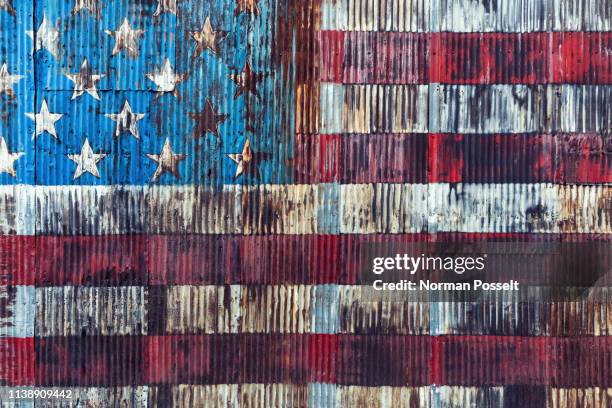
[
  {"x": 453, "y": 158},
  {"x": 17, "y": 260},
  {"x": 466, "y": 58},
  {"x": 210, "y": 259},
  {"x": 582, "y": 57},
  {"x": 241, "y": 358},
  {"x": 371, "y": 360},
  {"x": 18, "y": 361},
  {"x": 331, "y": 51},
  {"x": 507, "y": 360},
  {"x": 89, "y": 360}
]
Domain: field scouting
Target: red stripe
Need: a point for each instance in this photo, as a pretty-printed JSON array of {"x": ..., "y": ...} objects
[
  {"x": 257, "y": 358},
  {"x": 370, "y": 360},
  {"x": 17, "y": 361},
  {"x": 375, "y": 360},
  {"x": 17, "y": 260},
  {"x": 559, "y": 158},
  {"x": 419, "y": 158},
  {"x": 331, "y": 49},
  {"x": 90, "y": 361},
  {"x": 582, "y": 57},
  {"x": 466, "y": 58},
  {"x": 501, "y": 360},
  {"x": 112, "y": 260},
  {"x": 390, "y": 158}
]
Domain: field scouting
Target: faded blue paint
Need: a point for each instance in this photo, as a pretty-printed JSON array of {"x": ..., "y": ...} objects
[
  {"x": 330, "y": 108},
  {"x": 20, "y": 313},
  {"x": 249, "y": 38},
  {"x": 324, "y": 313},
  {"x": 328, "y": 209},
  {"x": 15, "y": 127},
  {"x": 321, "y": 395}
]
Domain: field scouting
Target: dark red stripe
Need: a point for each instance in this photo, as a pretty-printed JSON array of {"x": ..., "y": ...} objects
[
  {"x": 559, "y": 158},
  {"x": 253, "y": 358},
  {"x": 331, "y": 49},
  {"x": 111, "y": 260},
  {"x": 500, "y": 360},
  {"x": 106, "y": 260},
  {"x": 369, "y": 360},
  {"x": 16, "y": 361},
  {"x": 466, "y": 58},
  {"x": 361, "y": 158},
  {"x": 475, "y": 58},
  {"x": 420, "y": 158},
  {"x": 374, "y": 360},
  {"x": 17, "y": 260},
  {"x": 90, "y": 361}
]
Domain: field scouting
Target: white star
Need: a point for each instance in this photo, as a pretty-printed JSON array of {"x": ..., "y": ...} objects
[
  {"x": 126, "y": 120},
  {"x": 165, "y": 6},
  {"x": 7, "y": 81},
  {"x": 242, "y": 160},
  {"x": 165, "y": 78},
  {"x": 126, "y": 38},
  {"x": 45, "y": 120},
  {"x": 91, "y": 5},
  {"x": 86, "y": 161},
  {"x": 7, "y": 6},
  {"x": 166, "y": 161},
  {"x": 7, "y": 159},
  {"x": 85, "y": 81},
  {"x": 206, "y": 39},
  {"x": 46, "y": 37}
]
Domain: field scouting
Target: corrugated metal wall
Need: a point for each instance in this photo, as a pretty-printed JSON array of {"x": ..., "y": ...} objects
[{"x": 370, "y": 121}]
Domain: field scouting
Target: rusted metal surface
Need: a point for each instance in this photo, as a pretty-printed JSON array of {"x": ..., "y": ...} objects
[{"x": 187, "y": 189}]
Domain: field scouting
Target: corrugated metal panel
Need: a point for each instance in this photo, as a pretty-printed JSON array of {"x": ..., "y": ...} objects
[
  {"x": 99, "y": 397},
  {"x": 18, "y": 360},
  {"x": 372, "y": 15},
  {"x": 17, "y": 90},
  {"x": 299, "y": 209},
  {"x": 382, "y": 397},
  {"x": 484, "y": 16},
  {"x": 200, "y": 309},
  {"x": 456, "y": 397},
  {"x": 474, "y": 158},
  {"x": 17, "y": 308},
  {"x": 63, "y": 311},
  {"x": 466, "y": 16},
  {"x": 87, "y": 311},
  {"x": 465, "y": 58},
  {"x": 580, "y": 397},
  {"x": 585, "y": 209},
  {"x": 580, "y": 318},
  {"x": 359, "y": 314},
  {"x": 375, "y": 108}
]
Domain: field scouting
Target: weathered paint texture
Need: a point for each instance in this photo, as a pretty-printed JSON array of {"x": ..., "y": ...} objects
[
  {"x": 188, "y": 188},
  {"x": 307, "y": 209},
  {"x": 390, "y": 57}
]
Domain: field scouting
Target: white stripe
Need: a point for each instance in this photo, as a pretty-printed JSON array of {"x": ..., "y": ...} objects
[
  {"x": 465, "y": 108},
  {"x": 373, "y": 108},
  {"x": 110, "y": 311},
  {"x": 376, "y": 15},
  {"x": 313, "y": 395},
  {"x": 131, "y": 396},
  {"x": 466, "y": 15},
  {"x": 302, "y": 309},
  {"x": 303, "y": 209}
]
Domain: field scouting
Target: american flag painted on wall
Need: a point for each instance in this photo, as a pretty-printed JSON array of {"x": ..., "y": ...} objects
[{"x": 186, "y": 187}]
